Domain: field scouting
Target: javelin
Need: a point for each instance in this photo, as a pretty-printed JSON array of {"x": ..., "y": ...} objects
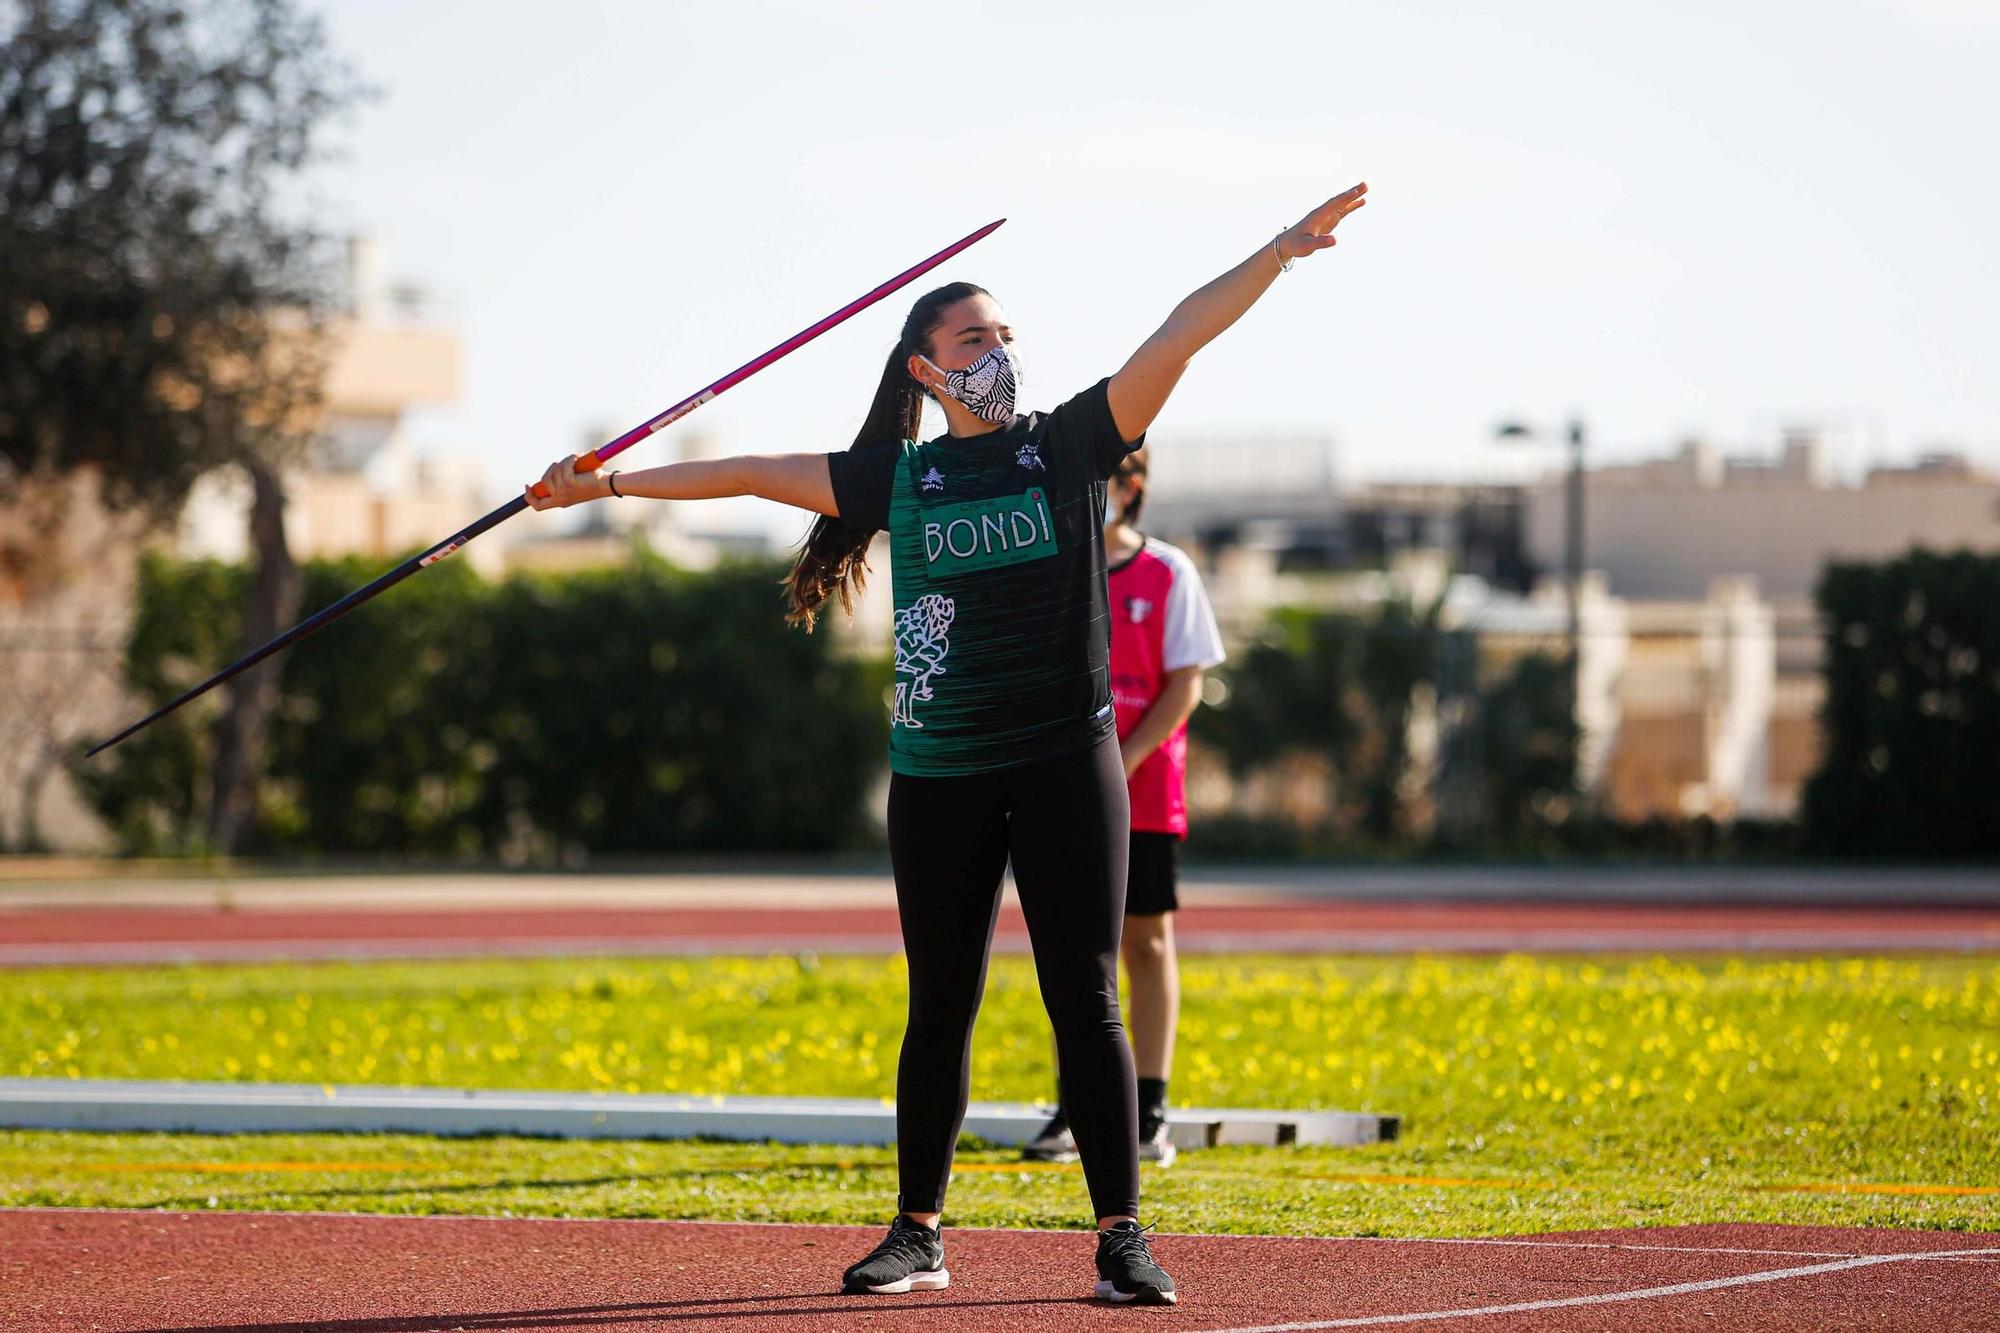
[{"x": 589, "y": 462}]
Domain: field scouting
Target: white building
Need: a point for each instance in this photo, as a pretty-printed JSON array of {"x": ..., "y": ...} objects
[
  {"x": 1718, "y": 558},
  {"x": 1668, "y": 527}
]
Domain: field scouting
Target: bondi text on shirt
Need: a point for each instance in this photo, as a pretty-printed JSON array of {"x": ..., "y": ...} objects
[{"x": 982, "y": 534}]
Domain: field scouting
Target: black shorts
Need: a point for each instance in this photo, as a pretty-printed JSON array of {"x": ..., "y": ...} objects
[{"x": 1152, "y": 883}]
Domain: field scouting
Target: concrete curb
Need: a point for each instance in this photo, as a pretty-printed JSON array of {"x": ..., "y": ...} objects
[{"x": 298, "y": 1108}]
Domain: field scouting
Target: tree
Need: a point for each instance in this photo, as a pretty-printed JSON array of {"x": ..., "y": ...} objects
[
  {"x": 1528, "y": 742},
  {"x": 162, "y": 292},
  {"x": 1287, "y": 692},
  {"x": 1353, "y": 692},
  {"x": 1912, "y": 712},
  {"x": 542, "y": 718},
  {"x": 1397, "y": 656}
]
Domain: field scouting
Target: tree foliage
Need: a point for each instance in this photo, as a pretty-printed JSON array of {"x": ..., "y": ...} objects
[
  {"x": 633, "y": 710},
  {"x": 156, "y": 269},
  {"x": 1286, "y": 691},
  {"x": 1346, "y": 690},
  {"x": 1912, "y": 713},
  {"x": 1528, "y": 746},
  {"x": 164, "y": 289}
]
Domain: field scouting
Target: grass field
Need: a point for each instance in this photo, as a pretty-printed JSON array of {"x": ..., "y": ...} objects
[{"x": 1539, "y": 1093}]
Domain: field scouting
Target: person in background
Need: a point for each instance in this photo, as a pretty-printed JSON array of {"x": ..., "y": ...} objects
[{"x": 1163, "y": 640}]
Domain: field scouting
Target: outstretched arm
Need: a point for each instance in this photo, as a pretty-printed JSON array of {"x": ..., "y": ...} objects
[
  {"x": 1140, "y": 389},
  {"x": 794, "y": 479}
]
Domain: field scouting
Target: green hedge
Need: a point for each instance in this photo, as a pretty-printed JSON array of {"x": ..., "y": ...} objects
[
  {"x": 1340, "y": 687},
  {"x": 639, "y": 709},
  {"x": 1912, "y": 714}
]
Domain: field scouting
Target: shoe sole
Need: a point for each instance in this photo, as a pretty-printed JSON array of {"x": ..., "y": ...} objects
[
  {"x": 1159, "y": 1154},
  {"x": 1107, "y": 1291},
  {"x": 1045, "y": 1155},
  {"x": 935, "y": 1279}
]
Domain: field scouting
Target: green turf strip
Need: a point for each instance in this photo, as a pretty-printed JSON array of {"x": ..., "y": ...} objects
[{"x": 1586, "y": 1093}]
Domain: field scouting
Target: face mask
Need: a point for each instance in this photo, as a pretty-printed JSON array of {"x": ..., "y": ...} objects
[{"x": 986, "y": 387}]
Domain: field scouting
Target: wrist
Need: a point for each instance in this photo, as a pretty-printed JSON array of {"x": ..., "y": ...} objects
[
  {"x": 611, "y": 486},
  {"x": 1278, "y": 252}
]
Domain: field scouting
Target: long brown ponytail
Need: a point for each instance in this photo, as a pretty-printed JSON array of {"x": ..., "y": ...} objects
[{"x": 833, "y": 558}]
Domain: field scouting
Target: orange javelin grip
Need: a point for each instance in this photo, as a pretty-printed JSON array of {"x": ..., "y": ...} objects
[{"x": 590, "y": 462}]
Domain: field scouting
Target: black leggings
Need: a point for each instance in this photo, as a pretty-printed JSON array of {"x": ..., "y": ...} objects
[{"x": 1066, "y": 824}]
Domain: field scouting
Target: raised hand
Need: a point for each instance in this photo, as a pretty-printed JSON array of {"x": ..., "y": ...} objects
[{"x": 1314, "y": 232}]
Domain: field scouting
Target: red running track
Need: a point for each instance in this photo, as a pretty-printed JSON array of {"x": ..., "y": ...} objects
[
  {"x": 277, "y": 1273},
  {"x": 86, "y": 935}
]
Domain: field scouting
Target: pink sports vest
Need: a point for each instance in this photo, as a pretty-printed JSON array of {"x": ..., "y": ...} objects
[{"x": 1139, "y": 591}]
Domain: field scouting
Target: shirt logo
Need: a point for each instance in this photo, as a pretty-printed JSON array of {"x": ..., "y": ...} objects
[
  {"x": 982, "y": 534},
  {"x": 921, "y": 647},
  {"x": 932, "y": 480},
  {"x": 1137, "y": 609},
  {"x": 1029, "y": 455}
]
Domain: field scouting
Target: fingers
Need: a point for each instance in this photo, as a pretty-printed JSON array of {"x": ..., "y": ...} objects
[
  {"x": 559, "y": 484},
  {"x": 1328, "y": 215},
  {"x": 1349, "y": 199},
  {"x": 1315, "y": 231}
]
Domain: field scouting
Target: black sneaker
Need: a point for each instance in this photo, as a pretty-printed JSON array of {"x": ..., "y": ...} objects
[
  {"x": 1054, "y": 1144},
  {"x": 910, "y": 1258},
  {"x": 1126, "y": 1272},
  {"x": 1154, "y": 1145}
]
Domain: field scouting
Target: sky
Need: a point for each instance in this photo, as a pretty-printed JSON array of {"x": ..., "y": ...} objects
[{"x": 1681, "y": 219}]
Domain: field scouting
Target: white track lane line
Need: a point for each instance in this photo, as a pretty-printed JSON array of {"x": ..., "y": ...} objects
[
  {"x": 1536, "y": 1244},
  {"x": 1610, "y": 1298}
]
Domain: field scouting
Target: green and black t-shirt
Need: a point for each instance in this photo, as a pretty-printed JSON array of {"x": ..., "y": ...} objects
[{"x": 1003, "y": 632}]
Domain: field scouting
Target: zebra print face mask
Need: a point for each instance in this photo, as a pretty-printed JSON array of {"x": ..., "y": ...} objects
[{"x": 986, "y": 387}]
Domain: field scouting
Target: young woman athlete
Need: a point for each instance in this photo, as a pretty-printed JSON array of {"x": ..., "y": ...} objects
[{"x": 1002, "y": 743}]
